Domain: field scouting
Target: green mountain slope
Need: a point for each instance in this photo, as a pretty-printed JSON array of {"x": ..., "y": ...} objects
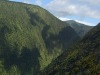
[
  {"x": 30, "y": 38},
  {"x": 81, "y": 29},
  {"x": 82, "y": 59}
]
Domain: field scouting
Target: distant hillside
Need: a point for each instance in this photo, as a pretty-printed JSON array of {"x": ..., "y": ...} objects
[
  {"x": 30, "y": 38},
  {"x": 80, "y": 28},
  {"x": 83, "y": 59}
]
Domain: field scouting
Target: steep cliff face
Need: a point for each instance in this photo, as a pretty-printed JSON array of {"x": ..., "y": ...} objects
[
  {"x": 30, "y": 38},
  {"x": 82, "y": 59}
]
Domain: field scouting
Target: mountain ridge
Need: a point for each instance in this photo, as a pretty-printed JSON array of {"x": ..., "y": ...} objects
[
  {"x": 80, "y": 28},
  {"x": 31, "y": 38},
  {"x": 83, "y": 58}
]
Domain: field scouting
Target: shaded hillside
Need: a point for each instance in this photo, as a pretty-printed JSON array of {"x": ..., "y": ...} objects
[
  {"x": 80, "y": 28},
  {"x": 83, "y": 59},
  {"x": 30, "y": 38}
]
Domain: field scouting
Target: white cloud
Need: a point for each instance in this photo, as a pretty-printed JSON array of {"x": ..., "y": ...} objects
[
  {"x": 27, "y": 1},
  {"x": 62, "y": 8},
  {"x": 64, "y": 19},
  {"x": 38, "y": 2},
  {"x": 93, "y": 2},
  {"x": 86, "y": 23}
]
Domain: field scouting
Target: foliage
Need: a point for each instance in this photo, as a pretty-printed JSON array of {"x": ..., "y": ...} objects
[
  {"x": 30, "y": 38},
  {"x": 81, "y": 29},
  {"x": 82, "y": 59}
]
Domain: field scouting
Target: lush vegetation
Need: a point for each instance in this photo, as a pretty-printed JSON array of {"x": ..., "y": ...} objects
[
  {"x": 81, "y": 29},
  {"x": 30, "y": 38},
  {"x": 82, "y": 59}
]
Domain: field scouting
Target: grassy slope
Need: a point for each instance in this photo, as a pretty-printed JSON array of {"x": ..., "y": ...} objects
[
  {"x": 81, "y": 29},
  {"x": 30, "y": 37},
  {"x": 83, "y": 59}
]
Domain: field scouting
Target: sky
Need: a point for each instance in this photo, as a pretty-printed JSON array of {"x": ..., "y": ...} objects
[{"x": 83, "y": 11}]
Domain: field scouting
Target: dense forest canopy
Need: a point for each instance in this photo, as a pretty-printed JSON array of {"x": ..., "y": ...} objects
[{"x": 30, "y": 38}]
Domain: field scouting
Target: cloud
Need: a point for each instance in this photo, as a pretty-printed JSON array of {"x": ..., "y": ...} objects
[
  {"x": 38, "y": 2},
  {"x": 27, "y": 1},
  {"x": 86, "y": 23},
  {"x": 93, "y": 2},
  {"x": 64, "y": 19},
  {"x": 63, "y": 8},
  {"x": 24, "y": 1}
]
